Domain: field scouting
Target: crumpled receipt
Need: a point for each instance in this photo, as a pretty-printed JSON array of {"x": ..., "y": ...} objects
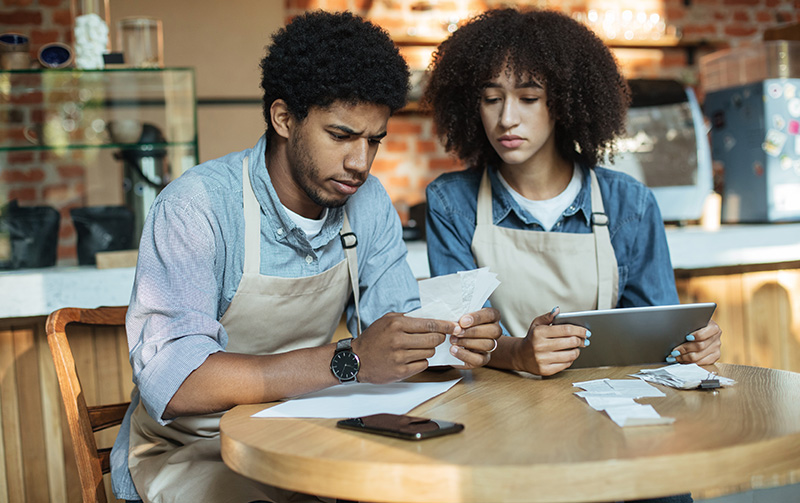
[{"x": 449, "y": 298}]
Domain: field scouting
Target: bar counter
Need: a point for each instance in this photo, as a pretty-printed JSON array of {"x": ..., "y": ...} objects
[{"x": 734, "y": 248}]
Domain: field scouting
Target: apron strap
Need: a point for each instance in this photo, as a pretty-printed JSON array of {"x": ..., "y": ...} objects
[
  {"x": 252, "y": 223},
  {"x": 349, "y": 242},
  {"x": 483, "y": 214},
  {"x": 604, "y": 252},
  {"x": 252, "y": 238}
]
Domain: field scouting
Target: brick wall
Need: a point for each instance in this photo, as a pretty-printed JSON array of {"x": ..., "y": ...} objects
[
  {"x": 54, "y": 178},
  {"x": 44, "y": 21}
]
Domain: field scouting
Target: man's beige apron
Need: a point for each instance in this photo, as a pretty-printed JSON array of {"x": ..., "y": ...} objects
[
  {"x": 182, "y": 462},
  {"x": 541, "y": 270}
]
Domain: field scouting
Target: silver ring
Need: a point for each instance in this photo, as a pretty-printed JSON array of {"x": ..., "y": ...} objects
[{"x": 495, "y": 346}]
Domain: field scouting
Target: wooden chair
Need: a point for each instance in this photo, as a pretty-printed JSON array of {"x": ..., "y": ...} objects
[{"x": 84, "y": 421}]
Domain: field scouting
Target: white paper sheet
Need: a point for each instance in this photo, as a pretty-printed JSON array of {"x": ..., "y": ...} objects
[
  {"x": 449, "y": 298},
  {"x": 637, "y": 415},
  {"x": 627, "y": 388},
  {"x": 360, "y": 399},
  {"x": 616, "y": 397},
  {"x": 600, "y": 402}
]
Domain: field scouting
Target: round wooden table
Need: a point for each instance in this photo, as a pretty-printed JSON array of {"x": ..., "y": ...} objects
[{"x": 531, "y": 440}]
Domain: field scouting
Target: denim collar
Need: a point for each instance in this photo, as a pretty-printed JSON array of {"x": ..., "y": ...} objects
[
  {"x": 271, "y": 205},
  {"x": 503, "y": 205}
]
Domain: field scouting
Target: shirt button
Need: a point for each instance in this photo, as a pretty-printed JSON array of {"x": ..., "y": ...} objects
[
  {"x": 280, "y": 232},
  {"x": 309, "y": 259}
]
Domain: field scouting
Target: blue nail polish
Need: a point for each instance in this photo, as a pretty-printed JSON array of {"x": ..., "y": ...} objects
[
  {"x": 671, "y": 359},
  {"x": 588, "y": 333},
  {"x": 676, "y": 353},
  {"x": 553, "y": 311},
  {"x": 690, "y": 337},
  {"x": 586, "y": 342}
]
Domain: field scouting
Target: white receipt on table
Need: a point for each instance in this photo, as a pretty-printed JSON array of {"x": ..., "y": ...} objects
[
  {"x": 449, "y": 298},
  {"x": 681, "y": 376},
  {"x": 616, "y": 398},
  {"x": 624, "y": 388},
  {"x": 359, "y": 399}
]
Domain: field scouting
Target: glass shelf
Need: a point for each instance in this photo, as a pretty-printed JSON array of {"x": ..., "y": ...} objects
[
  {"x": 144, "y": 147},
  {"x": 71, "y": 138},
  {"x": 102, "y": 71},
  {"x": 76, "y": 109}
]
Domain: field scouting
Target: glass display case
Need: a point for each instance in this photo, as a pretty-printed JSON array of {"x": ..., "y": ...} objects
[{"x": 76, "y": 138}]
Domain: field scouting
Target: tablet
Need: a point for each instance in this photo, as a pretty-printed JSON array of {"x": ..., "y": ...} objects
[{"x": 636, "y": 335}]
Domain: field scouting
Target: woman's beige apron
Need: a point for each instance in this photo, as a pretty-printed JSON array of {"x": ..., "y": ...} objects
[
  {"x": 182, "y": 462},
  {"x": 541, "y": 270}
]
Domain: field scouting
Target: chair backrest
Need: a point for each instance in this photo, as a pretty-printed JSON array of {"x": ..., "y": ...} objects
[{"x": 83, "y": 421}]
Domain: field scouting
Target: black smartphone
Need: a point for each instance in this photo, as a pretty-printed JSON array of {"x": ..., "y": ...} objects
[{"x": 400, "y": 426}]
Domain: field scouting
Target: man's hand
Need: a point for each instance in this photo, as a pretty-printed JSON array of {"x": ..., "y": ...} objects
[
  {"x": 548, "y": 349},
  {"x": 476, "y": 337},
  {"x": 396, "y": 347},
  {"x": 703, "y": 346}
]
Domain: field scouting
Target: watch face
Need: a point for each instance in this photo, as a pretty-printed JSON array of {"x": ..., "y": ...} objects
[{"x": 344, "y": 365}]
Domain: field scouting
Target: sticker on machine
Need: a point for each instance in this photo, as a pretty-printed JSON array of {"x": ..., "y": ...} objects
[
  {"x": 784, "y": 197},
  {"x": 773, "y": 143},
  {"x": 793, "y": 107},
  {"x": 789, "y": 91},
  {"x": 775, "y": 90}
]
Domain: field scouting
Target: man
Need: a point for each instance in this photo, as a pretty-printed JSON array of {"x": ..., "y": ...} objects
[{"x": 247, "y": 263}]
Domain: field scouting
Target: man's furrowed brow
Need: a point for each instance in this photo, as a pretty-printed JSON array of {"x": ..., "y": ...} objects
[{"x": 353, "y": 132}]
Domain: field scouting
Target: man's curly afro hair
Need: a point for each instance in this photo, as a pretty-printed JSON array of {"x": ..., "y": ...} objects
[
  {"x": 586, "y": 94},
  {"x": 321, "y": 57}
]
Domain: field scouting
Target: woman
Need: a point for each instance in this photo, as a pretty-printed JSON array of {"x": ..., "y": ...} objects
[{"x": 531, "y": 102}]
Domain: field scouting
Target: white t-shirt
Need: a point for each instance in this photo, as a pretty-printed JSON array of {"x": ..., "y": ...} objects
[
  {"x": 548, "y": 211},
  {"x": 310, "y": 226}
]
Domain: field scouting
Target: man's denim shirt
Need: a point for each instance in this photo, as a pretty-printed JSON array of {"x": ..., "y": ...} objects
[
  {"x": 191, "y": 259},
  {"x": 635, "y": 225}
]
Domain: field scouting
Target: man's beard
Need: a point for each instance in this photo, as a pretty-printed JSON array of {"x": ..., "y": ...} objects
[{"x": 305, "y": 171}]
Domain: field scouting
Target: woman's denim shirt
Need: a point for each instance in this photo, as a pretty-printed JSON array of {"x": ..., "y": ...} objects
[{"x": 635, "y": 225}]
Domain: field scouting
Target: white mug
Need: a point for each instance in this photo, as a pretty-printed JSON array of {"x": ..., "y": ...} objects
[{"x": 124, "y": 130}]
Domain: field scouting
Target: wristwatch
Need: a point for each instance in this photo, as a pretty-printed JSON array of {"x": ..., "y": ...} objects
[{"x": 345, "y": 363}]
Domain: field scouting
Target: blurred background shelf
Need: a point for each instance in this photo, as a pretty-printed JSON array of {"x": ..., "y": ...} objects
[{"x": 74, "y": 138}]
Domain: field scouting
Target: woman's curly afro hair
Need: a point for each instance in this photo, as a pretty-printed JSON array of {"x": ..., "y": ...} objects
[
  {"x": 321, "y": 57},
  {"x": 586, "y": 94}
]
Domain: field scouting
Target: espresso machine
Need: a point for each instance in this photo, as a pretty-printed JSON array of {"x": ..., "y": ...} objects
[{"x": 145, "y": 173}]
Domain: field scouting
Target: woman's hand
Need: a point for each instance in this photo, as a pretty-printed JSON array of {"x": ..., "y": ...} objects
[
  {"x": 477, "y": 337},
  {"x": 702, "y": 347},
  {"x": 548, "y": 349}
]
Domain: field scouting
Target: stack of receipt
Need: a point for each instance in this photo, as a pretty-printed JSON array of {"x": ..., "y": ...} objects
[
  {"x": 616, "y": 398},
  {"x": 449, "y": 298},
  {"x": 681, "y": 376}
]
